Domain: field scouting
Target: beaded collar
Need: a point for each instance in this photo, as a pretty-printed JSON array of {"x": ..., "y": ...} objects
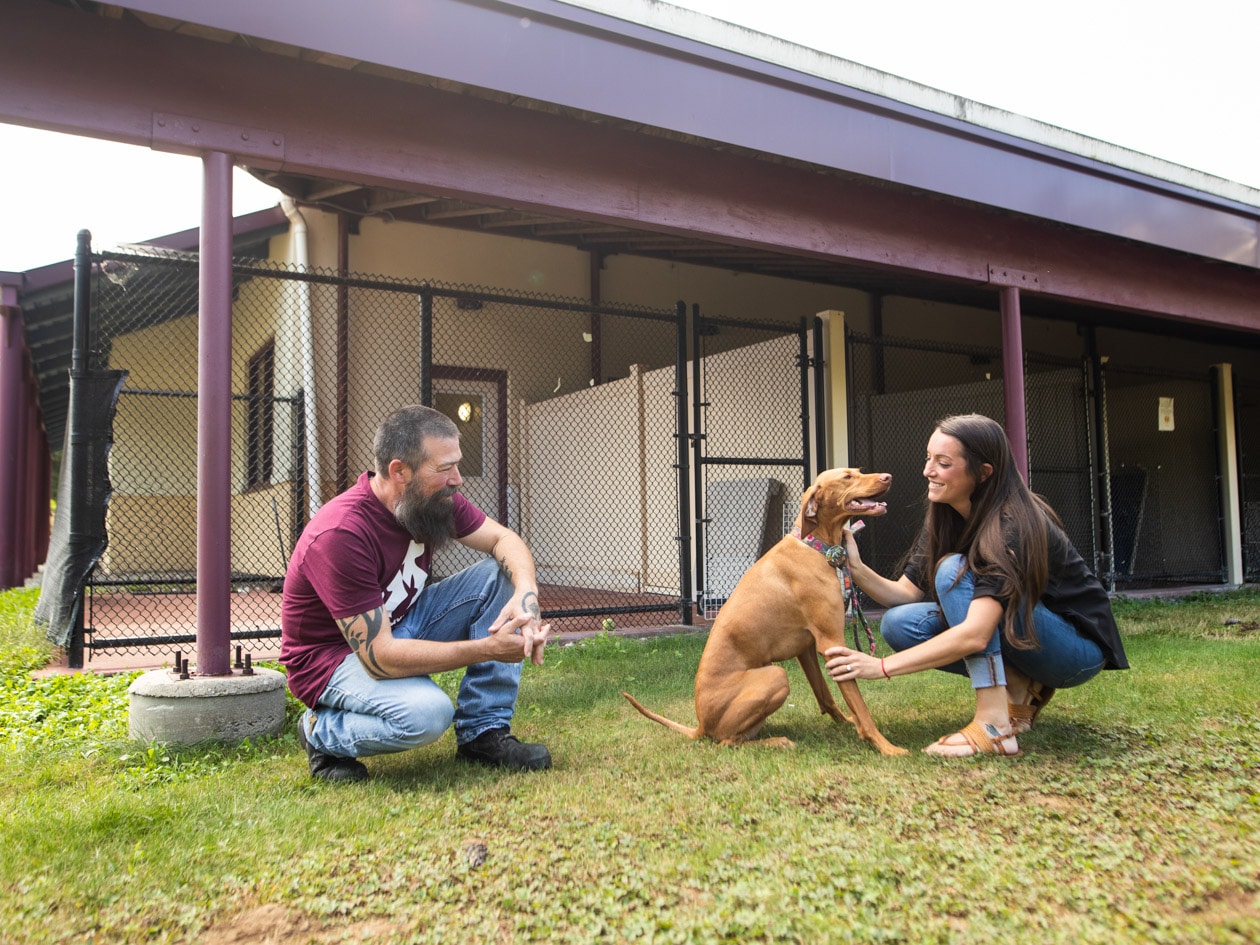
[
  {"x": 838, "y": 558},
  {"x": 835, "y": 554}
]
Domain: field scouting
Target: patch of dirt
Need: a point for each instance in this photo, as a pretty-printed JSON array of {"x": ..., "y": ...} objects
[
  {"x": 1053, "y": 802},
  {"x": 275, "y": 925}
]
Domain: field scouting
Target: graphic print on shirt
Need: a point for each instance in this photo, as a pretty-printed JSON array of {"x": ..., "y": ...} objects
[{"x": 406, "y": 585}]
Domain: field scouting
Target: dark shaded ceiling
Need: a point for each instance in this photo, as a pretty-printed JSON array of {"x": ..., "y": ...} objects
[{"x": 602, "y": 239}]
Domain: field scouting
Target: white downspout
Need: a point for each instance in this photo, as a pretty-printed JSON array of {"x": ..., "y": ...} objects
[{"x": 301, "y": 258}]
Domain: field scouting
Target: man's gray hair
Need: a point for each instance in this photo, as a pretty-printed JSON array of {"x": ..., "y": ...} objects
[{"x": 401, "y": 435}]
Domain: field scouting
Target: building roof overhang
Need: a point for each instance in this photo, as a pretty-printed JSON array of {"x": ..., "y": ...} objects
[
  {"x": 556, "y": 55},
  {"x": 552, "y": 121}
]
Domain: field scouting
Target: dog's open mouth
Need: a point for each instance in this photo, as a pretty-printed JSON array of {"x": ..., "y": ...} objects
[{"x": 868, "y": 505}]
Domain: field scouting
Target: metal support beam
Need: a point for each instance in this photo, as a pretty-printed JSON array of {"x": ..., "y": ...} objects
[
  {"x": 214, "y": 421},
  {"x": 1013, "y": 378},
  {"x": 12, "y": 367}
]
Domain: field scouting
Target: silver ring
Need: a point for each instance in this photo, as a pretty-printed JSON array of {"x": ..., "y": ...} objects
[{"x": 848, "y": 667}]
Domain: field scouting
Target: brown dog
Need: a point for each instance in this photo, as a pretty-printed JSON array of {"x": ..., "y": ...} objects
[{"x": 789, "y": 604}]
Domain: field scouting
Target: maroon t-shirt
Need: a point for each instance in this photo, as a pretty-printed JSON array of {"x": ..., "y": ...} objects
[{"x": 353, "y": 557}]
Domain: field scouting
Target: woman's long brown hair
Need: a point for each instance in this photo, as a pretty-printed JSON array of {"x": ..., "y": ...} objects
[{"x": 1002, "y": 508}]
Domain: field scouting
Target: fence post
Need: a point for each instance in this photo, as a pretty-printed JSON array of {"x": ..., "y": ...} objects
[
  {"x": 820, "y": 400},
  {"x": 802, "y": 338},
  {"x": 1013, "y": 378},
  {"x": 1105, "y": 565},
  {"x": 14, "y": 486},
  {"x": 80, "y": 346},
  {"x": 684, "y": 503},
  {"x": 426, "y": 346}
]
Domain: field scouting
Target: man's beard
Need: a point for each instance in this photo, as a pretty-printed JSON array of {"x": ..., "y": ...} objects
[{"x": 427, "y": 519}]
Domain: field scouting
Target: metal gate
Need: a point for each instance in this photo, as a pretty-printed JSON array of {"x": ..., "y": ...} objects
[
  {"x": 1126, "y": 456},
  {"x": 1247, "y": 418},
  {"x": 1163, "y": 477},
  {"x": 754, "y": 442}
]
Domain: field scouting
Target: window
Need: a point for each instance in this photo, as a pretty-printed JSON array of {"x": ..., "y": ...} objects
[{"x": 260, "y": 423}]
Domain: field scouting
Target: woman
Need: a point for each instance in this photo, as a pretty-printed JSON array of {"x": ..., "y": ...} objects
[{"x": 1010, "y": 603}]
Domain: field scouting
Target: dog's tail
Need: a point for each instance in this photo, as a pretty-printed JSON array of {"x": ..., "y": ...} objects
[{"x": 692, "y": 733}]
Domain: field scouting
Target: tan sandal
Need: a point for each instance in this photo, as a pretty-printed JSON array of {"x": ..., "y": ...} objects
[
  {"x": 981, "y": 742},
  {"x": 1025, "y": 715}
]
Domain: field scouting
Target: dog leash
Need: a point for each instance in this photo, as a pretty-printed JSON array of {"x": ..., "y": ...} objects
[{"x": 838, "y": 558}]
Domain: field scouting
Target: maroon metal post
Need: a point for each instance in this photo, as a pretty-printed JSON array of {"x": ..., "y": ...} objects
[
  {"x": 11, "y": 368},
  {"x": 1013, "y": 378},
  {"x": 214, "y": 420}
]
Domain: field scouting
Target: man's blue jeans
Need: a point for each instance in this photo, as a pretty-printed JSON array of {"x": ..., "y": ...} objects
[
  {"x": 357, "y": 716},
  {"x": 1065, "y": 658}
]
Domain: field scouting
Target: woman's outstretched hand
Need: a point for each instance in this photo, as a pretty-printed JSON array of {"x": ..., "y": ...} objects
[{"x": 846, "y": 665}]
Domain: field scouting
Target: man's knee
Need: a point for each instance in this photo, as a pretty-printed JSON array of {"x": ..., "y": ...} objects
[
  {"x": 425, "y": 718},
  {"x": 496, "y": 582}
]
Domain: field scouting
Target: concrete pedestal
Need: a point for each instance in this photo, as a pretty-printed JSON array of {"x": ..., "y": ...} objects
[{"x": 165, "y": 708}]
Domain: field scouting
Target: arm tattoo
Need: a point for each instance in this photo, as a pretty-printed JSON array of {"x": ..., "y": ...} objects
[
  {"x": 503, "y": 566},
  {"x": 362, "y": 639},
  {"x": 530, "y": 603}
]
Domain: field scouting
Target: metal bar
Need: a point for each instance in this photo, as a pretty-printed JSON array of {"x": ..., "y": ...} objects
[
  {"x": 214, "y": 420},
  {"x": 1105, "y": 564},
  {"x": 596, "y": 611},
  {"x": 118, "y": 643},
  {"x": 596, "y": 265},
  {"x": 684, "y": 472},
  {"x": 1013, "y": 378},
  {"x": 426, "y": 347},
  {"x": 698, "y": 403},
  {"x": 191, "y": 394},
  {"x": 12, "y": 413},
  {"x": 751, "y": 461},
  {"x": 343, "y": 364},
  {"x": 803, "y": 361},
  {"x": 821, "y": 407},
  {"x": 299, "y": 501},
  {"x": 78, "y": 467}
]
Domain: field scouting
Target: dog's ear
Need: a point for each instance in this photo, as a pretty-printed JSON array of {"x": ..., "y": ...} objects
[{"x": 809, "y": 510}]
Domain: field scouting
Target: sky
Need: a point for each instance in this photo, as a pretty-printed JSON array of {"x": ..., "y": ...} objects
[{"x": 1174, "y": 81}]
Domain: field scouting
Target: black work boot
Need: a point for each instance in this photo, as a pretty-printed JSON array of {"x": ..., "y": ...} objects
[
  {"x": 500, "y": 748},
  {"x": 326, "y": 767}
]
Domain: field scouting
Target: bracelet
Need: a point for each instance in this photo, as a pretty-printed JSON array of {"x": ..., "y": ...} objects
[{"x": 882, "y": 670}]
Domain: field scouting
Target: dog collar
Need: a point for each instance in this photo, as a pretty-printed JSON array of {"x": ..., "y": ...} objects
[{"x": 835, "y": 554}]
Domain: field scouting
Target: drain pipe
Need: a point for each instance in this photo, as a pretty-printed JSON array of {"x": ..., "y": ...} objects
[{"x": 301, "y": 258}]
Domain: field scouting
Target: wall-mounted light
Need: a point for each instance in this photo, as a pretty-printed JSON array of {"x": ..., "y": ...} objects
[{"x": 464, "y": 411}]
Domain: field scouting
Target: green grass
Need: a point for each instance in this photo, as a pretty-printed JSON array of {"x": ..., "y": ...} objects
[{"x": 1132, "y": 816}]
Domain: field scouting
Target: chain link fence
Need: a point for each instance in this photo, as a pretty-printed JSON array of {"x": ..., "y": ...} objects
[
  {"x": 1247, "y": 416},
  {"x": 574, "y": 435},
  {"x": 567, "y": 411},
  {"x": 1164, "y": 478}
]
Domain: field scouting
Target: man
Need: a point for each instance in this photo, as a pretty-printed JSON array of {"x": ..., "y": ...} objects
[{"x": 361, "y": 633}]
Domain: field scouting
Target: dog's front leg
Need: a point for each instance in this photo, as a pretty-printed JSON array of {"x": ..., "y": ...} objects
[
  {"x": 865, "y": 725},
  {"x": 818, "y": 683}
]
